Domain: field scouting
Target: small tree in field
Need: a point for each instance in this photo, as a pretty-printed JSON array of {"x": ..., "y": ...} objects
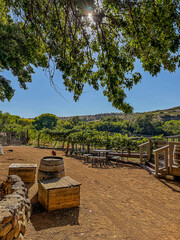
[{"x": 46, "y": 120}]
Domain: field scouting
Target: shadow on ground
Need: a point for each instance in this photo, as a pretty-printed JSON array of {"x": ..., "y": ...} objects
[
  {"x": 173, "y": 185},
  {"x": 41, "y": 219}
]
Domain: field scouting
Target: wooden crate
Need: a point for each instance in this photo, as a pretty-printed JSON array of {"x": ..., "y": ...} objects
[
  {"x": 59, "y": 193},
  {"x": 27, "y": 172}
]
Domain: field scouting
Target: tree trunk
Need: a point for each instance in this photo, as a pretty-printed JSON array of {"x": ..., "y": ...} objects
[
  {"x": 76, "y": 148},
  {"x": 67, "y": 148},
  {"x": 39, "y": 134},
  {"x": 27, "y": 136},
  {"x": 55, "y": 144}
]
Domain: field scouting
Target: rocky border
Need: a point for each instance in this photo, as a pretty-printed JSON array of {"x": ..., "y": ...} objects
[{"x": 15, "y": 209}]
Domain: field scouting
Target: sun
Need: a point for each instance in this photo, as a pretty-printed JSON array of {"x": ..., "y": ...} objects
[{"x": 90, "y": 15}]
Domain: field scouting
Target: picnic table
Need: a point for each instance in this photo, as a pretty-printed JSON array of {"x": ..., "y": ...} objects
[
  {"x": 101, "y": 158},
  {"x": 104, "y": 152}
]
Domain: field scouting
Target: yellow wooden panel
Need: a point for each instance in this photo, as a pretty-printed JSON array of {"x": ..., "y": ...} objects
[
  {"x": 56, "y": 183},
  {"x": 60, "y": 199},
  {"x": 71, "y": 181},
  {"x": 176, "y": 171},
  {"x": 63, "y": 205},
  {"x": 42, "y": 196},
  {"x": 26, "y": 176},
  {"x": 64, "y": 191}
]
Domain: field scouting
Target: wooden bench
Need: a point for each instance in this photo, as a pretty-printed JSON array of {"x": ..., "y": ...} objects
[
  {"x": 116, "y": 159},
  {"x": 98, "y": 161},
  {"x": 27, "y": 172},
  {"x": 59, "y": 193},
  {"x": 87, "y": 157}
]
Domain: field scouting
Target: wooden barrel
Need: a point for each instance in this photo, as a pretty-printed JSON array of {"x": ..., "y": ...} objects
[
  {"x": 51, "y": 167},
  {"x": 177, "y": 155}
]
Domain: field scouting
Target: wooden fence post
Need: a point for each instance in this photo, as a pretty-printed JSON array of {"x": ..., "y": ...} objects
[
  {"x": 149, "y": 149},
  {"x": 170, "y": 157},
  {"x": 166, "y": 160},
  {"x": 156, "y": 164},
  {"x": 141, "y": 154}
]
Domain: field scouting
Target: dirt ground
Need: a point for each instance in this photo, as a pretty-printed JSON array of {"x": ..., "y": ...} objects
[{"x": 116, "y": 203}]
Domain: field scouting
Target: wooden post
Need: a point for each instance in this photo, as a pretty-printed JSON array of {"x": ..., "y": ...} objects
[
  {"x": 166, "y": 160},
  {"x": 141, "y": 154},
  {"x": 156, "y": 164},
  {"x": 170, "y": 157},
  {"x": 149, "y": 149}
]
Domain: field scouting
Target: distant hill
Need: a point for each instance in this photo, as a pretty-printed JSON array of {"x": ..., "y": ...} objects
[{"x": 163, "y": 115}]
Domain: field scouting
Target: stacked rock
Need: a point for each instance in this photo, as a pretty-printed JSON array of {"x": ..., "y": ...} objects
[
  {"x": 15, "y": 209},
  {"x": 1, "y": 150}
]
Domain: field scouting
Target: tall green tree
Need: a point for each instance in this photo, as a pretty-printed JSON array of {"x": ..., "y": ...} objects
[
  {"x": 44, "y": 121},
  {"x": 99, "y": 49}
]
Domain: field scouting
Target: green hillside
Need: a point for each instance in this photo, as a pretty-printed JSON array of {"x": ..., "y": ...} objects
[{"x": 161, "y": 115}]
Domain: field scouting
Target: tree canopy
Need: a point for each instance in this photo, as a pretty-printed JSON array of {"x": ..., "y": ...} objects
[
  {"x": 45, "y": 120},
  {"x": 93, "y": 42}
]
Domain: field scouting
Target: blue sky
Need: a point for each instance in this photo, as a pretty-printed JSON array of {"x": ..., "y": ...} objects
[{"x": 152, "y": 93}]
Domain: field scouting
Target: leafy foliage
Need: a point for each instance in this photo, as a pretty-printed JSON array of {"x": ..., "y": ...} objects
[
  {"x": 46, "y": 120},
  {"x": 100, "y": 51},
  {"x": 19, "y": 50},
  {"x": 172, "y": 127},
  {"x": 6, "y": 91}
]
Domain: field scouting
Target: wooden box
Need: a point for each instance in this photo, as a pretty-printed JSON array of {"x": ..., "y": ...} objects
[
  {"x": 59, "y": 193},
  {"x": 27, "y": 172}
]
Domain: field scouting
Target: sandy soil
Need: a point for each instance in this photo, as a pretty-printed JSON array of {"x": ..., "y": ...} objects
[{"x": 116, "y": 203}]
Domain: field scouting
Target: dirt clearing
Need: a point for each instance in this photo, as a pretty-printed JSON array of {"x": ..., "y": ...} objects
[{"x": 116, "y": 203}]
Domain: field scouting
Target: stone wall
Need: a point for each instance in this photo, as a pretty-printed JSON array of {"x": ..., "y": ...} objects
[{"x": 15, "y": 209}]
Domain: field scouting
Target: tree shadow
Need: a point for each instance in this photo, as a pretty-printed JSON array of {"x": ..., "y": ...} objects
[
  {"x": 41, "y": 219},
  {"x": 113, "y": 164}
]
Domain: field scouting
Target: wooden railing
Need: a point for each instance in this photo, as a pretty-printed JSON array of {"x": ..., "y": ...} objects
[
  {"x": 160, "y": 151},
  {"x": 148, "y": 145},
  {"x": 168, "y": 158},
  {"x": 171, "y": 148},
  {"x": 173, "y": 138}
]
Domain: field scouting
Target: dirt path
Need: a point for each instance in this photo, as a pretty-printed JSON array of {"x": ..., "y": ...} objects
[{"x": 116, "y": 203}]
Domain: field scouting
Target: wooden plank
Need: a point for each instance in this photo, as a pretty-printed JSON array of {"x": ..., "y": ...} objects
[
  {"x": 141, "y": 154},
  {"x": 56, "y": 183},
  {"x": 63, "y": 205},
  {"x": 62, "y": 194},
  {"x": 166, "y": 160},
  {"x": 175, "y": 171},
  {"x": 64, "y": 191},
  {"x": 26, "y": 176},
  {"x": 156, "y": 163},
  {"x": 71, "y": 181},
  {"x": 59, "y": 193},
  {"x": 64, "y": 199},
  {"x": 23, "y": 165},
  {"x": 42, "y": 196},
  {"x": 170, "y": 157}
]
